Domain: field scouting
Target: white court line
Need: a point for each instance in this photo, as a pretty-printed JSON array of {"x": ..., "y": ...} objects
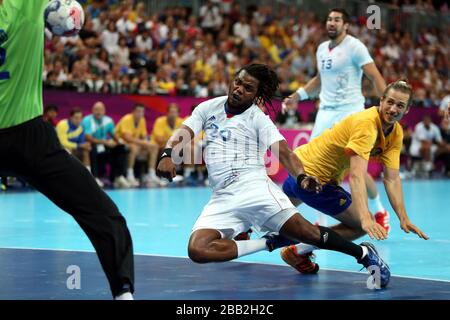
[{"x": 185, "y": 257}]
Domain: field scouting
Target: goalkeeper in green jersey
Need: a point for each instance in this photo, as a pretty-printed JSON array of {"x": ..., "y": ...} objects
[{"x": 29, "y": 147}]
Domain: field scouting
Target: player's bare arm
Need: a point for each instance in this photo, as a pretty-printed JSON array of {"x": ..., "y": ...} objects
[
  {"x": 393, "y": 186},
  {"x": 372, "y": 72},
  {"x": 181, "y": 137},
  {"x": 358, "y": 169},
  {"x": 294, "y": 166},
  {"x": 311, "y": 89}
]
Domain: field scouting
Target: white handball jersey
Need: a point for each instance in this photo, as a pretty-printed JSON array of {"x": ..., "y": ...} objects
[
  {"x": 235, "y": 146},
  {"x": 341, "y": 73}
]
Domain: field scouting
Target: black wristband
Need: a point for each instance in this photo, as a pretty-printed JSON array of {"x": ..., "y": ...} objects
[
  {"x": 167, "y": 152},
  {"x": 300, "y": 179}
]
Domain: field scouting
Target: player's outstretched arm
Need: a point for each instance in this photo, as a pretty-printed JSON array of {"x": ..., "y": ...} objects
[
  {"x": 180, "y": 138},
  {"x": 309, "y": 90},
  {"x": 358, "y": 169},
  {"x": 294, "y": 166},
  {"x": 393, "y": 186},
  {"x": 372, "y": 72}
]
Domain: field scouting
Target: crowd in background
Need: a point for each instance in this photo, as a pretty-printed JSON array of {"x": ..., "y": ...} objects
[{"x": 122, "y": 49}]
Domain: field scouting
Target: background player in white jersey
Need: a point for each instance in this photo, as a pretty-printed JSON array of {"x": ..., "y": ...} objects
[
  {"x": 341, "y": 62},
  {"x": 238, "y": 134}
]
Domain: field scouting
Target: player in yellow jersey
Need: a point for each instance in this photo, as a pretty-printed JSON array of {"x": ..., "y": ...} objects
[
  {"x": 29, "y": 147},
  {"x": 346, "y": 148},
  {"x": 342, "y": 61},
  {"x": 165, "y": 125}
]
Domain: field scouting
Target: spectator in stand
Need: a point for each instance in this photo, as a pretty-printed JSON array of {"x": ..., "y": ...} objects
[
  {"x": 132, "y": 130},
  {"x": 123, "y": 53},
  {"x": 106, "y": 148},
  {"x": 124, "y": 25},
  {"x": 96, "y": 8},
  {"x": 165, "y": 126},
  {"x": 110, "y": 38},
  {"x": 100, "y": 22},
  {"x": 71, "y": 135},
  {"x": 445, "y": 102},
  {"x": 51, "y": 114},
  {"x": 241, "y": 29},
  {"x": 211, "y": 19},
  {"x": 164, "y": 83},
  {"x": 192, "y": 29},
  {"x": 426, "y": 142}
]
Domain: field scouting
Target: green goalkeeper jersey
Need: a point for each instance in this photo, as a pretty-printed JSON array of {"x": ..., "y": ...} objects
[{"x": 21, "y": 60}]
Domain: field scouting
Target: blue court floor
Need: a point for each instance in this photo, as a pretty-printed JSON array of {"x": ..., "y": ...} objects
[{"x": 38, "y": 242}]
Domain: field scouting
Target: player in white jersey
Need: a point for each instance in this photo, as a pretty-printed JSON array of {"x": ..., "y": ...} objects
[
  {"x": 238, "y": 134},
  {"x": 341, "y": 63}
]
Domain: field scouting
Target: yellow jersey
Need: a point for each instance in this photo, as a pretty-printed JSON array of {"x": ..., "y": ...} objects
[
  {"x": 128, "y": 125},
  {"x": 69, "y": 135},
  {"x": 328, "y": 155},
  {"x": 162, "y": 130}
]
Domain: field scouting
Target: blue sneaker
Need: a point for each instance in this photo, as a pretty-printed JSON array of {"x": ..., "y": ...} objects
[
  {"x": 275, "y": 241},
  {"x": 373, "y": 259}
]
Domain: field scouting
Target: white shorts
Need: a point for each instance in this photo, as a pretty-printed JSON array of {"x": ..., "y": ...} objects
[
  {"x": 327, "y": 117},
  {"x": 257, "y": 203}
]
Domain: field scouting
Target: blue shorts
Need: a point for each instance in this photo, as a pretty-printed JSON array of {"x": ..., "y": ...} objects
[{"x": 332, "y": 200}]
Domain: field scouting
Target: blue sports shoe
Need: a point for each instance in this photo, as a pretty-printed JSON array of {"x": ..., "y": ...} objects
[
  {"x": 373, "y": 259},
  {"x": 275, "y": 241}
]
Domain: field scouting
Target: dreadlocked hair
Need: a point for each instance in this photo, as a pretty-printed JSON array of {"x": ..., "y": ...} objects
[{"x": 268, "y": 83}]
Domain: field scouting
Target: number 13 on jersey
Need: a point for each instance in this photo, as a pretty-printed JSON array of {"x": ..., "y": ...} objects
[{"x": 326, "y": 64}]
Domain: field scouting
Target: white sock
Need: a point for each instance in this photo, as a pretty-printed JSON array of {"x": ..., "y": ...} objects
[
  {"x": 377, "y": 202},
  {"x": 304, "y": 248},
  {"x": 365, "y": 251},
  {"x": 130, "y": 173},
  {"x": 246, "y": 247},
  {"x": 125, "y": 296}
]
